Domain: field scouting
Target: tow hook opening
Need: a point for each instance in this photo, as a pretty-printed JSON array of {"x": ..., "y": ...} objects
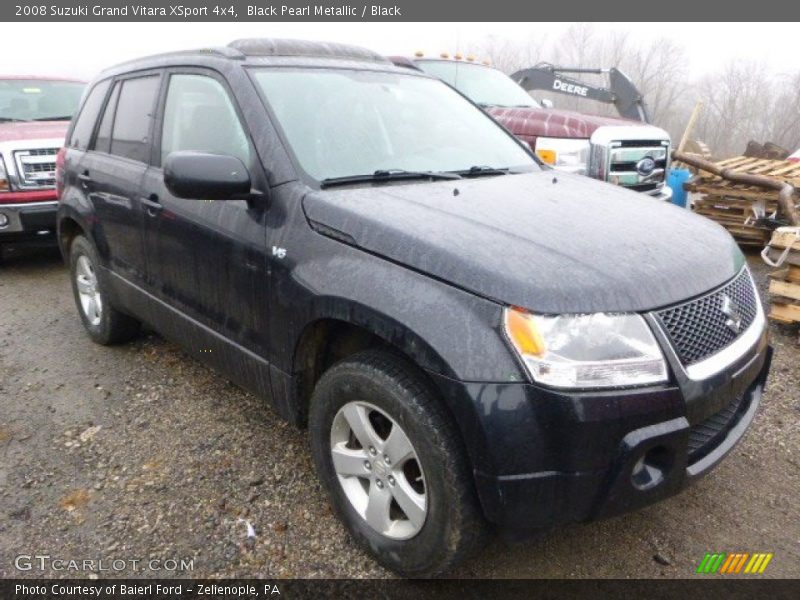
[{"x": 652, "y": 467}]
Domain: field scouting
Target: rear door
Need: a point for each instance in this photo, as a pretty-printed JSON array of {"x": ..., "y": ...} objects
[
  {"x": 211, "y": 261},
  {"x": 111, "y": 172}
]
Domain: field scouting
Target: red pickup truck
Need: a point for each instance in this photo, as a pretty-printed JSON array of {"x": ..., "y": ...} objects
[
  {"x": 624, "y": 152},
  {"x": 34, "y": 116}
]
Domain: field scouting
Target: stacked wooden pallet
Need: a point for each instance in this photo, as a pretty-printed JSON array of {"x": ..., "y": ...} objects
[
  {"x": 738, "y": 207},
  {"x": 784, "y": 286}
]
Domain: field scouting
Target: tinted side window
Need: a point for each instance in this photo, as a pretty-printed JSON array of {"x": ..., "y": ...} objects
[
  {"x": 84, "y": 124},
  {"x": 130, "y": 137},
  {"x": 199, "y": 115},
  {"x": 103, "y": 141}
]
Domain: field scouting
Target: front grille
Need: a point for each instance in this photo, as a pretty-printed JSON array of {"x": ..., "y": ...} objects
[
  {"x": 624, "y": 158},
  {"x": 699, "y": 328},
  {"x": 36, "y": 168},
  {"x": 708, "y": 434},
  {"x": 639, "y": 143},
  {"x": 42, "y": 151},
  {"x": 39, "y": 167},
  {"x": 643, "y": 187}
]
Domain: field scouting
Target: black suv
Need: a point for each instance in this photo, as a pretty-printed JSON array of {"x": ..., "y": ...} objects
[{"x": 472, "y": 339}]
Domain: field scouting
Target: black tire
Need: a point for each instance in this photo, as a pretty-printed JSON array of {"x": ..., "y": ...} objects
[
  {"x": 113, "y": 327},
  {"x": 454, "y": 527}
]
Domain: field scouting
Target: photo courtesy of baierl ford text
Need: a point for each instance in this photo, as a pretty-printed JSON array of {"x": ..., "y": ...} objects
[{"x": 396, "y": 300}]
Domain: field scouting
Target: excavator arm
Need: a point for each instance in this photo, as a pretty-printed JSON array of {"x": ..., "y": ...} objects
[{"x": 621, "y": 92}]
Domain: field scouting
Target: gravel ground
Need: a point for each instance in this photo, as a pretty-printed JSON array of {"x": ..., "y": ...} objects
[{"x": 138, "y": 453}]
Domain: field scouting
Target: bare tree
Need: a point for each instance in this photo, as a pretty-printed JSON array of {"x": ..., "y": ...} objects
[
  {"x": 784, "y": 118},
  {"x": 744, "y": 101},
  {"x": 660, "y": 71},
  {"x": 510, "y": 56},
  {"x": 658, "y": 67}
]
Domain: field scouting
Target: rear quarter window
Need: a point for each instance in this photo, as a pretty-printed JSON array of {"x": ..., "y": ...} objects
[
  {"x": 84, "y": 124},
  {"x": 102, "y": 142}
]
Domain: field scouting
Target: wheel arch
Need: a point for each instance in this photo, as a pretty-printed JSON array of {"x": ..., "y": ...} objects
[
  {"x": 69, "y": 226},
  {"x": 344, "y": 331}
]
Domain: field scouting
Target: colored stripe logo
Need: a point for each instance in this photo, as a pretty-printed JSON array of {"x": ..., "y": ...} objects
[{"x": 734, "y": 563}]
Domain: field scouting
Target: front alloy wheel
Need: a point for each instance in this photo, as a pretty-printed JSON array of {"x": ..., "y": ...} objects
[
  {"x": 379, "y": 470},
  {"x": 391, "y": 458}
]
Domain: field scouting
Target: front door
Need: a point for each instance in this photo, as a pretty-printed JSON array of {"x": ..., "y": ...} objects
[{"x": 209, "y": 257}]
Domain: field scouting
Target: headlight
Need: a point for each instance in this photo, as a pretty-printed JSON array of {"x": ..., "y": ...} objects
[
  {"x": 563, "y": 153},
  {"x": 4, "y": 186},
  {"x": 586, "y": 351}
]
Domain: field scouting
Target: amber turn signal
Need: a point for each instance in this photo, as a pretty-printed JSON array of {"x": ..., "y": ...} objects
[
  {"x": 523, "y": 332},
  {"x": 547, "y": 156}
]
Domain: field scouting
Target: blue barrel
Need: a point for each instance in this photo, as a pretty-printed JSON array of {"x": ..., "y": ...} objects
[{"x": 675, "y": 180}]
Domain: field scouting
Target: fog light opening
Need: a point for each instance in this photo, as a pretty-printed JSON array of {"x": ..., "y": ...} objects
[
  {"x": 652, "y": 467},
  {"x": 3, "y": 220}
]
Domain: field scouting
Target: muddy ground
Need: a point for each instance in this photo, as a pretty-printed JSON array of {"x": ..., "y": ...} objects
[{"x": 138, "y": 453}]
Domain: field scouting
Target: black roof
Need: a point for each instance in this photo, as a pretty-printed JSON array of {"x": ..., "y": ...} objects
[
  {"x": 299, "y": 48},
  {"x": 259, "y": 50}
]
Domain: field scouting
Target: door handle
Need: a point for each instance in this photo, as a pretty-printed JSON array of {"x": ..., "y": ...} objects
[{"x": 152, "y": 205}]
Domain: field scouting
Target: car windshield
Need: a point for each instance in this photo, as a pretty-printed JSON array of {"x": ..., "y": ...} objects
[
  {"x": 481, "y": 84},
  {"x": 38, "y": 99},
  {"x": 344, "y": 123}
]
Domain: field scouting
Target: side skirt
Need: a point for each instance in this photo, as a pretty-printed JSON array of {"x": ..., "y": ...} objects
[{"x": 240, "y": 365}]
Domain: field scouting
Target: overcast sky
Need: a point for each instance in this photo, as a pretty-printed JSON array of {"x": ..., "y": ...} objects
[{"x": 82, "y": 49}]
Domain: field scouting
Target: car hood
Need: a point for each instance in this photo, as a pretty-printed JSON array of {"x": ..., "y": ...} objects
[
  {"x": 549, "y": 122},
  {"x": 33, "y": 130},
  {"x": 546, "y": 241}
]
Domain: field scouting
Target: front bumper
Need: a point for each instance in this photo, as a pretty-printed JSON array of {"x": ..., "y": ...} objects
[
  {"x": 663, "y": 193},
  {"x": 543, "y": 457},
  {"x": 28, "y": 220}
]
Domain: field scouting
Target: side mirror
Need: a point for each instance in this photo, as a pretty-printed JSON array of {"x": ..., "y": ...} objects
[
  {"x": 203, "y": 176},
  {"x": 546, "y": 103}
]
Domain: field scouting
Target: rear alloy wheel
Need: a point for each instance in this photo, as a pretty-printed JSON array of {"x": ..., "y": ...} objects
[
  {"x": 103, "y": 322},
  {"x": 91, "y": 302},
  {"x": 394, "y": 465}
]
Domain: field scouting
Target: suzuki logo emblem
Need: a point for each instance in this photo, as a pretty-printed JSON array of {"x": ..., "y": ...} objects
[{"x": 731, "y": 310}]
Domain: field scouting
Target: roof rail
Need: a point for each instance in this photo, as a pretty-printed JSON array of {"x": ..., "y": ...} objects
[
  {"x": 221, "y": 51},
  {"x": 226, "y": 51},
  {"x": 283, "y": 47}
]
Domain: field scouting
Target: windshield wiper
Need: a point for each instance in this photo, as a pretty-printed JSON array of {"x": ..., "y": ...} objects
[
  {"x": 388, "y": 175},
  {"x": 60, "y": 118},
  {"x": 481, "y": 170},
  {"x": 11, "y": 120}
]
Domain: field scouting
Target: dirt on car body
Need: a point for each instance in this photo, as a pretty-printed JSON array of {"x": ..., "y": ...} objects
[{"x": 140, "y": 454}]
